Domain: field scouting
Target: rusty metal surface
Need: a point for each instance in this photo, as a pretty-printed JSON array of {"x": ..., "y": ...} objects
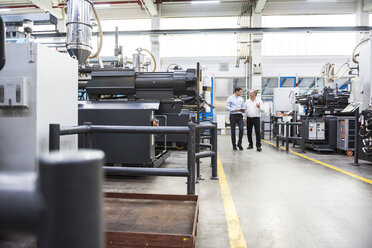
[{"x": 150, "y": 216}]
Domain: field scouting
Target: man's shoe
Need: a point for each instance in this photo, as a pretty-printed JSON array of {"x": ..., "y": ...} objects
[
  {"x": 259, "y": 149},
  {"x": 250, "y": 147},
  {"x": 240, "y": 148},
  {"x": 234, "y": 148}
]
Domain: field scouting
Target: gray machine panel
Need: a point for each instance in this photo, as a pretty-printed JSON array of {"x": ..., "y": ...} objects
[
  {"x": 124, "y": 149},
  {"x": 346, "y": 133},
  {"x": 47, "y": 82}
]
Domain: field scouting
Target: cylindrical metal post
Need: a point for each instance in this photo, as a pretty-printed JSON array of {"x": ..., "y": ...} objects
[
  {"x": 20, "y": 202},
  {"x": 71, "y": 185},
  {"x": 87, "y": 137},
  {"x": 214, "y": 147},
  {"x": 287, "y": 136},
  {"x": 356, "y": 145},
  {"x": 54, "y": 137},
  {"x": 191, "y": 147}
]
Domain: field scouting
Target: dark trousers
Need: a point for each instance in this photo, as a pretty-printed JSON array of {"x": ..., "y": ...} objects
[
  {"x": 254, "y": 122},
  {"x": 236, "y": 119}
]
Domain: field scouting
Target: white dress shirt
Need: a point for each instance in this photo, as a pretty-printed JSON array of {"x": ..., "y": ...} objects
[
  {"x": 234, "y": 102},
  {"x": 251, "y": 108}
]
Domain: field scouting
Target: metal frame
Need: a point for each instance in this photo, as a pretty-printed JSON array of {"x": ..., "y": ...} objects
[
  {"x": 288, "y": 138},
  {"x": 263, "y": 130},
  {"x": 55, "y": 131},
  {"x": 258, "y": 30}
]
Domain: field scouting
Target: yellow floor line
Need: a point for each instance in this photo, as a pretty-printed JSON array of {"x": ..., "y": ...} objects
[
  {"x": 324, "y": 164},
  {"x": 236, "y": 235}
]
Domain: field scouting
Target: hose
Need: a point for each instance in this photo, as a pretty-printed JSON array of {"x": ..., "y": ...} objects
[
  {"x": 331, "y": 74},
  {"x": 100, "y": 34},
  {"x": 153, "y": 58},
  {"x": 356, "y": 47}
]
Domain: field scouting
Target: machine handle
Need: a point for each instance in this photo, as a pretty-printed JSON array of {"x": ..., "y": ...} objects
[{"x": 2, "y": 43}]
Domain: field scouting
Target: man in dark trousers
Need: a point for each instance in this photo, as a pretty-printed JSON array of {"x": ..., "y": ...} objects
[
  {"x": 253, "y": 110},
  {"x": 236, "y": 108}
]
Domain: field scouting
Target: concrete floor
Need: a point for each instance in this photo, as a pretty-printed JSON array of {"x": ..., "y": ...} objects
[{"x": 282, "y": 200}]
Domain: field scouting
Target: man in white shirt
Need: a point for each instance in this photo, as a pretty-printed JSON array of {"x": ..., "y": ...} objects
[
  {"x": 236, "y": 108},
  {"x": 254, "y": 109}
]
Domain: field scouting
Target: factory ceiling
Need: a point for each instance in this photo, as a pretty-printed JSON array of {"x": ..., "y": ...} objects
[{"x": 129, "y": 9}]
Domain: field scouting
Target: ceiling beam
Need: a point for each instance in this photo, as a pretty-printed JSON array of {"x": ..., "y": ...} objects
[
  {"x": 151, "y": 7},
  {"x": 47, "y": 5},
  {"x": 260, "y": 5}
]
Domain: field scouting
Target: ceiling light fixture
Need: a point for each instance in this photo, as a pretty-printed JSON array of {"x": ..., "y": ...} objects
[
  {"x": 205, "y": 2},
  {"x": 102, "y": 6},
  {"x": 4, "y": 10}
]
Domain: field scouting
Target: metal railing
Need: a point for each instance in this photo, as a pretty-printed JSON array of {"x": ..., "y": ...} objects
[
  {"x": 263, "y": 130},
  {"x": 287, "y": 138},
  {"x": 55, "y": 131}
]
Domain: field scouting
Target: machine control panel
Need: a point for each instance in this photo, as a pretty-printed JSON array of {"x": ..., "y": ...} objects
[
  {"x": 14, "y": 92},
  {"x": 316, "y": 130}
]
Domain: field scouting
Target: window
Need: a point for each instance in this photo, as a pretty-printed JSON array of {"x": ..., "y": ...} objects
[
  {"x": 198, "y": 45},
  {"x": 198, "y": 23},
  {"x": 293, "y": 44},
  {"x": 342, "y": 84},
  {"x": 306, "y": 85},
  {"x": 288, "y": 82},
  {"x": 268, "y": 85},
  {"x": 130, "y": 42}
]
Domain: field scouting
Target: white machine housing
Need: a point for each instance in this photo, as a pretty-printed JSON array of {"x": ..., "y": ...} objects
[
  {"x": 39, "y": 87},
  {"x": 284, "y": 99}
]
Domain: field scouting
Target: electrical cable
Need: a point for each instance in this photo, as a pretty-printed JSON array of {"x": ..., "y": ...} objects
[
  {"x": 100, "y": 34},
  {"x": 356, "y": 47},
  {"x": 153, "y": 58}
]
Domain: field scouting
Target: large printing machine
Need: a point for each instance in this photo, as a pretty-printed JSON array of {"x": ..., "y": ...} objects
[{"x": 328, "y": 121}]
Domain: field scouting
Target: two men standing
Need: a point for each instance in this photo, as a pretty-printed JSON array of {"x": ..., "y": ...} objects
[{"x": 252, "y": 109}]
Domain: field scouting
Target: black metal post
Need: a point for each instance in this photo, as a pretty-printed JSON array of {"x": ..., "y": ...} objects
[
  {"x": 263, "y": 130},
  {"x": 87, "y": 137},
  {"x": 54, "y": 137},
  {"x": 287, "y": 136},
  {"x": 356, "y": 146},
  {"x": 191, "y": 147},
  {"x": 283, "y": 128},
  {"x": 302, "y": 137},
  {"x": 270, "y": 127},
  {"x": 277, "y": 135},
  {"x": 71, "y": 186},
  {"x": 214, "y": 158},
  {"x": 198, "y": 175}
]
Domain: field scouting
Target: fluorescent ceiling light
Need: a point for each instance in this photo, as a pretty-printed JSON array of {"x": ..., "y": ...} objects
[
  {"x": 4, "y": 10},
  {"x": 204, "y": 2},
  {"x": 102, "y": 6}
]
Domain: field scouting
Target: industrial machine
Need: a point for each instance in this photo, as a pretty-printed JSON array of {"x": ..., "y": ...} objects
[
  {"x": 321, "y": 119},
  {"x": 38, "y": 86},
  {"x": 118, "y": 96},
  {"x": 325, "y": 102}
]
